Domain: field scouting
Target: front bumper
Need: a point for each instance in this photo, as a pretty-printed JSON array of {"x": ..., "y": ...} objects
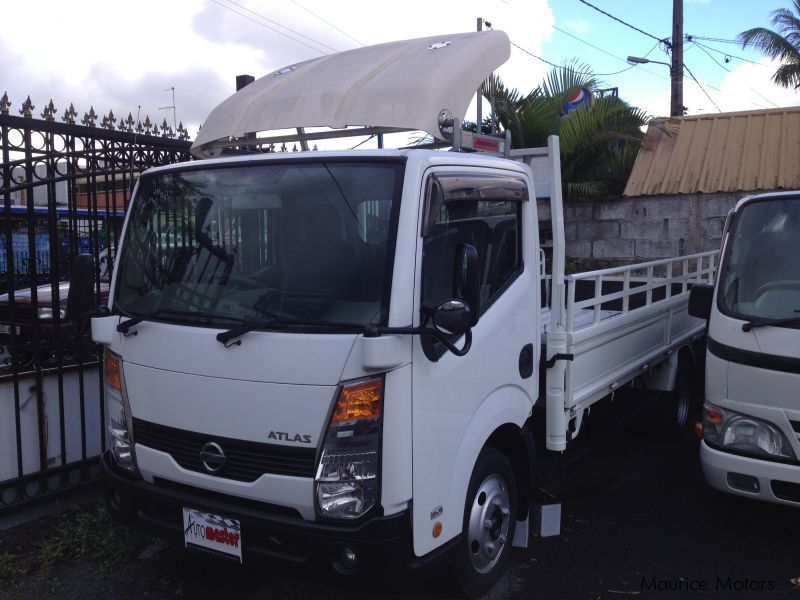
[
  {"x": 777, "y": 482},
  {"x": 382, "y": 544}
]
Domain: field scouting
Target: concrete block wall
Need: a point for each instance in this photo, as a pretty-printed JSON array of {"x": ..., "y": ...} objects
[{"x": 637, "y": 229}]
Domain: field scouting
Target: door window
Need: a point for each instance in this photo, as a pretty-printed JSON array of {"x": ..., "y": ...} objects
[{"x": 484, "y": 212}]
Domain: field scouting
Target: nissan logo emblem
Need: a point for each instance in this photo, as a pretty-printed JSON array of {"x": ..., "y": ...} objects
[{"x": 213, "y": 457}]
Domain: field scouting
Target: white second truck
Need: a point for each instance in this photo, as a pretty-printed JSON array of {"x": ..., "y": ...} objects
[
  {"x": 751, "y": 417},
  {"x": 337, "y": 355}
]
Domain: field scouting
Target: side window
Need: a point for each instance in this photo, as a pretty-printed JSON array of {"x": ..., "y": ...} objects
[{"x": 485, "y": 212}]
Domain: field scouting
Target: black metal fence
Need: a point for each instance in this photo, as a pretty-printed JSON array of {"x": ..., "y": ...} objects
[{"x": 64, "y": 187}]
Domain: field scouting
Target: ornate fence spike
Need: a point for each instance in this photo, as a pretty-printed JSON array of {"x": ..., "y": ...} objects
[
  {"x": 27, "y": 108},
  {"x": 155, "y": 129},
  {"x": 69, "y": 115},
  {"x": 90, "y": 118},
  {"x": 49, "y": 111},
  {"x": 183, "y": 133},
  {"x": 109, "y": 120},
  {"x": 147, "y": 125},
  {"x": 166, "y": 130},
  {"x": 126, "y": 124},
  {"x": 4, "y": 104}
]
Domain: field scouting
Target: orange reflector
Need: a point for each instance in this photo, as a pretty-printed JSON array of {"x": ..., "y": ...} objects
[
  {"x": 698, "y": 429},
  {"x": 112, "y": 374},
  {"x": 359, "y": 401},
  {"x": 714, "y": 416},
  {"x": 437, "y": 529}
]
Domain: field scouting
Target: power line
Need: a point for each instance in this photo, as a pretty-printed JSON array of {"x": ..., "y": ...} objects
[
  {"x": 308, "y": 10},
  {"x": 563, "y": 68},
  {"x": 752, "y": 89},
  {"x": 693, "y": 39},
  {"x": 310, "y": 39},
  {"x": 618, "y": 20},
  {"x": 688, "y": 70},
  {"x": 607, "y": 52},
  {"x": 278, "y": 31},
  {"x": 712, "y": 39}
]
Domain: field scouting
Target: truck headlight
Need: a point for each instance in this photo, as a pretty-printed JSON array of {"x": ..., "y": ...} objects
[
  {"x": 347, "y": 475},
  {"x": 47, "y": 313},
  {"x": 733, "y": 430},
  {"x": 117, "y": 413}
]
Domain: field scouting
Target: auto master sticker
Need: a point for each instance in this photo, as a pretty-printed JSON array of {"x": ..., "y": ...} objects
[{"x": 212, "y": 532}]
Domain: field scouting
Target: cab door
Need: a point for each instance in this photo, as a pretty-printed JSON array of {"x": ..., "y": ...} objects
[{"x": 458, "y": 401}]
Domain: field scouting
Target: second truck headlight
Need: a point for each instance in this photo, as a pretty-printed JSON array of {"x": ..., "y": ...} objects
[
  {"x": 347, "y": 475},
  {"x": 730, "y": 429}
]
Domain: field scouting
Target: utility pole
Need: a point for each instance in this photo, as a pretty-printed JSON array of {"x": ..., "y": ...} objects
[{"x": 676, "y": 70}]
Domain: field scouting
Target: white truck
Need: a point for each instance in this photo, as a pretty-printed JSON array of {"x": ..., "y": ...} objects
[
  {"x": 751, "y": 418},
  {"x": 336, "y": 355}
]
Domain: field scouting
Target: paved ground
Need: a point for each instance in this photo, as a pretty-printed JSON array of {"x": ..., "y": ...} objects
[{"x": 638, "y": 518}]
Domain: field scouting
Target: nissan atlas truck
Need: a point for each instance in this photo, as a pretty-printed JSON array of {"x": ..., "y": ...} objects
[
  {"x": 335, "y": 356},
  {"x": 751, "y": 420}
]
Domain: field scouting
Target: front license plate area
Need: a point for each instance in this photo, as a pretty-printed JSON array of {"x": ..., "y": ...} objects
[{"x": 212, "y": 532}]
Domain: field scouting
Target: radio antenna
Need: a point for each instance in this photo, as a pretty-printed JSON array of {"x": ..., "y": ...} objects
[{"x": 174, "y": 120}]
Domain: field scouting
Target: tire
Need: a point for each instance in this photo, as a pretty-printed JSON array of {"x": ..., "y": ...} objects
[
  {"x": 679, "y": 408},
  {"x": 490, "y": 515}
]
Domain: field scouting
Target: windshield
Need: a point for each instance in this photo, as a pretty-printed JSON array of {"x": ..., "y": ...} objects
[
  {"x": 247, "y": 244},
  {"x": 761, "y": 278}
]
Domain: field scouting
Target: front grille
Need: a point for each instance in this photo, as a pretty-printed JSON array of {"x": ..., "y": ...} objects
[{"x": 247, "y": 461}]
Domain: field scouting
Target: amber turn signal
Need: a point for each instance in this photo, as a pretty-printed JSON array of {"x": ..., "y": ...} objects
[
  {"x": 359, "y": 401},
  {"x": 714, "y": 415},
  {"x": 112, "y": 371}
]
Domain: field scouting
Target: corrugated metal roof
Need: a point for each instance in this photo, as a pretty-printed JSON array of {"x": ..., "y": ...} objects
[{"x": 725, "y": 152}]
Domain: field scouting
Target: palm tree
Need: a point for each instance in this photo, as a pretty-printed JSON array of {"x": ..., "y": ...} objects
[
  {"x": 599, "y": 143},
  {"x": 782, "y": 45}
]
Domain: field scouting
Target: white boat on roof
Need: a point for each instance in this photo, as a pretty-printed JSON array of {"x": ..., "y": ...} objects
[{"x": 402, "y": 85}]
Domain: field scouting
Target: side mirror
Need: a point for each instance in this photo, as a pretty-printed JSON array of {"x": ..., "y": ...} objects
[
  {"x": 80, "y": 298},
  {"x": 452, "y": 317},
  {"x": 467, "y": 280},
  {"x": 701, "y": 298}
]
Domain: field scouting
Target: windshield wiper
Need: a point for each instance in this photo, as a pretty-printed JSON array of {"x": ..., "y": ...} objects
[
  {"x": 125, "y": 326},
  {"x": 225, "y": 337},
  {"x": 751, "y": 324}
]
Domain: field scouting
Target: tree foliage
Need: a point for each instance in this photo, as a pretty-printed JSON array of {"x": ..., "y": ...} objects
[
  {"x": 783, "y": 44},
  {"x": 599, "y": 142}
]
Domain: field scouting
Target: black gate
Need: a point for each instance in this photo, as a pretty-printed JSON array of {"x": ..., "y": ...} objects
[{"x": 64, "y": 187}]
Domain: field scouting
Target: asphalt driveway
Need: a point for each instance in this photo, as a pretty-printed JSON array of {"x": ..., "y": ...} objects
[{"x": 638, "y": 521}]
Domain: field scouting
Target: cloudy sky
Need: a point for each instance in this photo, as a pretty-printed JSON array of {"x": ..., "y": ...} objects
[{"x": 120, "y": 55}]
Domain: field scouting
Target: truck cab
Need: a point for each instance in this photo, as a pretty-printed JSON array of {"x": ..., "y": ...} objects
[
  {"x": 237, "y": 361},
  {"x": 751, "y": 420}
]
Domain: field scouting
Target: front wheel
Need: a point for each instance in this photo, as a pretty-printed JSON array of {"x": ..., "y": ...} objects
[
  {"x": 489, "y": 520},
  {"x": 679, "y": 408}
]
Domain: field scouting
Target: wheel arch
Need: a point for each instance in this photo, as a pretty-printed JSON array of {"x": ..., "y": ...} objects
[{"x": 518, "y": 445}]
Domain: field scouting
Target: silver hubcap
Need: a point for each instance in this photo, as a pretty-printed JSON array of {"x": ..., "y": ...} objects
[{"x": 489, "y": 520}]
